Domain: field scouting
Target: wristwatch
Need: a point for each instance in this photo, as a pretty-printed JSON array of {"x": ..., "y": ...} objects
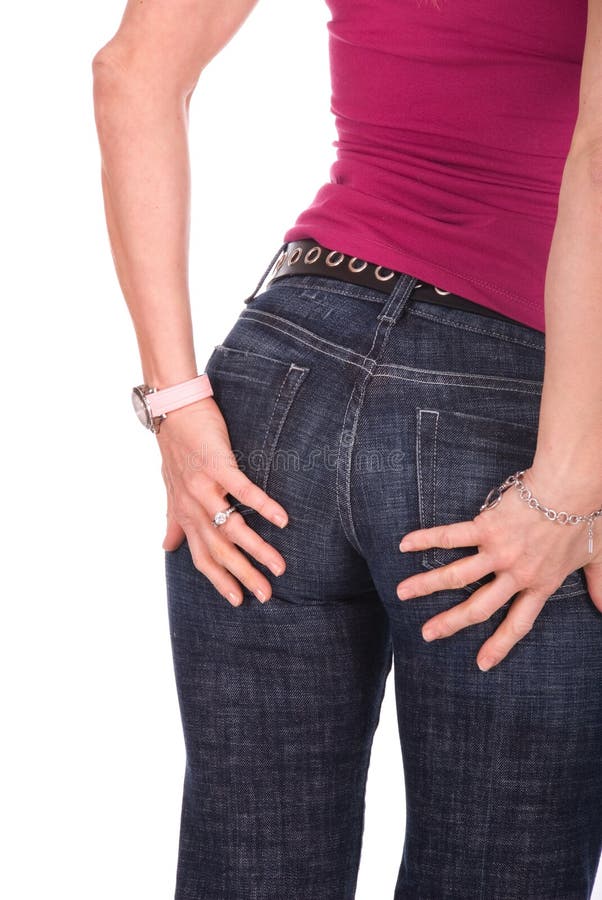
[{"x": 152, "y": 404}]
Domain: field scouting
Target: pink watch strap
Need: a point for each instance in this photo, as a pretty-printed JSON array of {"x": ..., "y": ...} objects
[{"x": 167, "y": 399}]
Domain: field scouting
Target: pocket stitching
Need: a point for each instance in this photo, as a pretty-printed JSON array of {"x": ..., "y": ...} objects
[
  {"x": 534, "y": 345},
  {"x": 434, "y": 472},
  {"x": 250, "y": 353},
  {"x": 282, "y": 400},
  {"x": 294, "y": 386},
  {"x": 430, "y": 559}
]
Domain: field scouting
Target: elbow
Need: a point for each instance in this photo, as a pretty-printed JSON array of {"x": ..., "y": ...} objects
[
  {"x": 128, "y": 76},
  {"x": 99, "y": 61},
  {"x": 109, "y": 79},
  {"x": 108, "y": 63}
]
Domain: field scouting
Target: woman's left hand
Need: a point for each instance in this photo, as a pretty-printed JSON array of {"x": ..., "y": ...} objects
[{"x": 530, "y": 555}]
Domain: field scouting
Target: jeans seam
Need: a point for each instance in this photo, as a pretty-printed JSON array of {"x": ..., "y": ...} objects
[
  {"x": 419, "y": 469},
  {"x": 477, "y": 384},
  {"x": 386, "y": 673},
  {"x": 426, "y": 558},
  {"x": 434, "y": 471},
  {"x": 485, "y": 331},
  {"x": 344, "y": 497},
  {"x": 486, "y": 379},
  {"x": 316, "y": 343},
  {"x": 293, "y": 385},
  {"x": 307, "y": 337},
  {"x": 430, "y": 558},
  {"x": 269, "y": 428}
]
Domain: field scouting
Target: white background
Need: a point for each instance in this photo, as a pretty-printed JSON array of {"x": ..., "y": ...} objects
[{"x": 93, "y": 756}]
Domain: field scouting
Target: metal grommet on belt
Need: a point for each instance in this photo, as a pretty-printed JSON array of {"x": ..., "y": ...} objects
[
  {"x": 352, "y": 268},
  {"x": 383, "y": 277},
  {"x": 314, "y": 250},
  {"x": 308, "y": 256},
  {"x": 279, "y": 262}
]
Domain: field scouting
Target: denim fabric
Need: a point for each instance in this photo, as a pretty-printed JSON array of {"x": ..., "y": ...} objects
[{"x": 368, "y": 416}]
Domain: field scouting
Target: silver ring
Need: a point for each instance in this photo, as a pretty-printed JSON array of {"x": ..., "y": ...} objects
[{"x": 222, "y": 516}]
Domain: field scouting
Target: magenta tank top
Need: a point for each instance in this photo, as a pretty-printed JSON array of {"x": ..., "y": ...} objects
[{"x": 453, "y": 127}]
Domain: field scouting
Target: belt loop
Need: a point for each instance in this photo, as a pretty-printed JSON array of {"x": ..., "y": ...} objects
[
  {"x": 267, "y": 271},
  {"x": 397, "y": 299}
]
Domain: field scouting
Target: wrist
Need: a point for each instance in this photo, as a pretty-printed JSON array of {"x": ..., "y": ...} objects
[
  {"x": 571, "y": 490},
  {"x": 185, "y": 412},
  {"x": 152, "y": 404},
  {"x": 167, "y": 377}
]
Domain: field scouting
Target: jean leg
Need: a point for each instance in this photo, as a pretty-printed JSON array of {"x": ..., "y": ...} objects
[
  {"x": 503, "y": 770},
  {"x": 279, "y": 704},
  {"x": 503, "y": 780}
]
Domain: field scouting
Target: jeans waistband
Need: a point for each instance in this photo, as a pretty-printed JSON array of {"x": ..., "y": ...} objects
[{"x": 309, "y": 257}]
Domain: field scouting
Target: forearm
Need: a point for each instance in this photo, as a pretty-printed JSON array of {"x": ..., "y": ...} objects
[
  {"x": 142, "y": 128},
  {"x": 568, "y": 458}
]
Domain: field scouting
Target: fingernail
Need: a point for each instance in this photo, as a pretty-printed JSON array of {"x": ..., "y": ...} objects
[
  {"x": 405, "y": 545},
  {"x": 234, "y": 598},
  {"x": 260, "y": 595},
  {"x": 403, "y": 593},
  {"x": 277, "y": 568},
  {"x": 485, "y": 663},
  {"x": 429, "y": 633},
  {"x": 280, "y": 521}
]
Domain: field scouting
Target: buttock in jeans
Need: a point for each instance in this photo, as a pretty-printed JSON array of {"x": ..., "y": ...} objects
[{"x": 368, "y": 418}]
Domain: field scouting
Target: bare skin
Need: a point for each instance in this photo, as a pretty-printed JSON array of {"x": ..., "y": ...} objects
[{"x": 144, "y": 78}]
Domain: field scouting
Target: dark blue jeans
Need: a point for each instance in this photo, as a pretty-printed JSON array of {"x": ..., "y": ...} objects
[{"x": 368, "y": 416}]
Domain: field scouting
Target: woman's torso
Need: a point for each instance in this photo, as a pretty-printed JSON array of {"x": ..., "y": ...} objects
[{"x": 453, "y": 126}]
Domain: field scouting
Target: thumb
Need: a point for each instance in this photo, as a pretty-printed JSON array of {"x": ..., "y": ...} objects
[
  {"x": 593, "y": 576},
  {"x": 174, "y": 535}
]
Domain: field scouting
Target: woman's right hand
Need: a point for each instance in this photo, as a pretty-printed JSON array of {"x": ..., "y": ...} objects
[{"x": 199, "y": 467}]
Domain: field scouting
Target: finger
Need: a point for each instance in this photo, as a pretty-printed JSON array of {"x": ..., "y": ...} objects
[
  {"x": 593, "y": 576},
  {"x": 221, "y": 580},
  {"x": 453, "y": 576},
  {"x": 174, "y": 535},
  {"x": 250, "y": 494},
  {"x": 236, "y": 529},
  {"x": 517, "y": 623},
  {"x": 458, "y": 534},
  {"x": 476, "y": 608},
  {"x": 226, "y": 555}
]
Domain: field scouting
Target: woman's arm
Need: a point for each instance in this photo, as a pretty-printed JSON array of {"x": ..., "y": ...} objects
[
  {"x": 567, "y": 468},
  {"x": 143, "y": 81},
  {"x": 144, "y": 78},
  {"x": 529, "y": 555}
]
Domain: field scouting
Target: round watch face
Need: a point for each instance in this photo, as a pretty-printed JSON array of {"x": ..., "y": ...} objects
[{"x": 140, "y": 406}]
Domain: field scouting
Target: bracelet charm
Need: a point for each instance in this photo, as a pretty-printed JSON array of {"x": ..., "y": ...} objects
[{"x": 563, "y": 518}]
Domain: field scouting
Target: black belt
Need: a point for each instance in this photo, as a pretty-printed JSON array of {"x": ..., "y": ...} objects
[{"x": 308, "y": 257}]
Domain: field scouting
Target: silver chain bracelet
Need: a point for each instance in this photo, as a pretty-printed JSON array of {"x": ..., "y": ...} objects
[{"x": 563, "y": 518}]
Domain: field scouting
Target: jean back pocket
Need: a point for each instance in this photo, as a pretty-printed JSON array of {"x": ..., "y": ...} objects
[
  {"x": 255, "y": 394},
  {"x": 459, "y": 458}
]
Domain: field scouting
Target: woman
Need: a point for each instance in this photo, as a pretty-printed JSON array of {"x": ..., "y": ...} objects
[{"x": 428, "y": 332}]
